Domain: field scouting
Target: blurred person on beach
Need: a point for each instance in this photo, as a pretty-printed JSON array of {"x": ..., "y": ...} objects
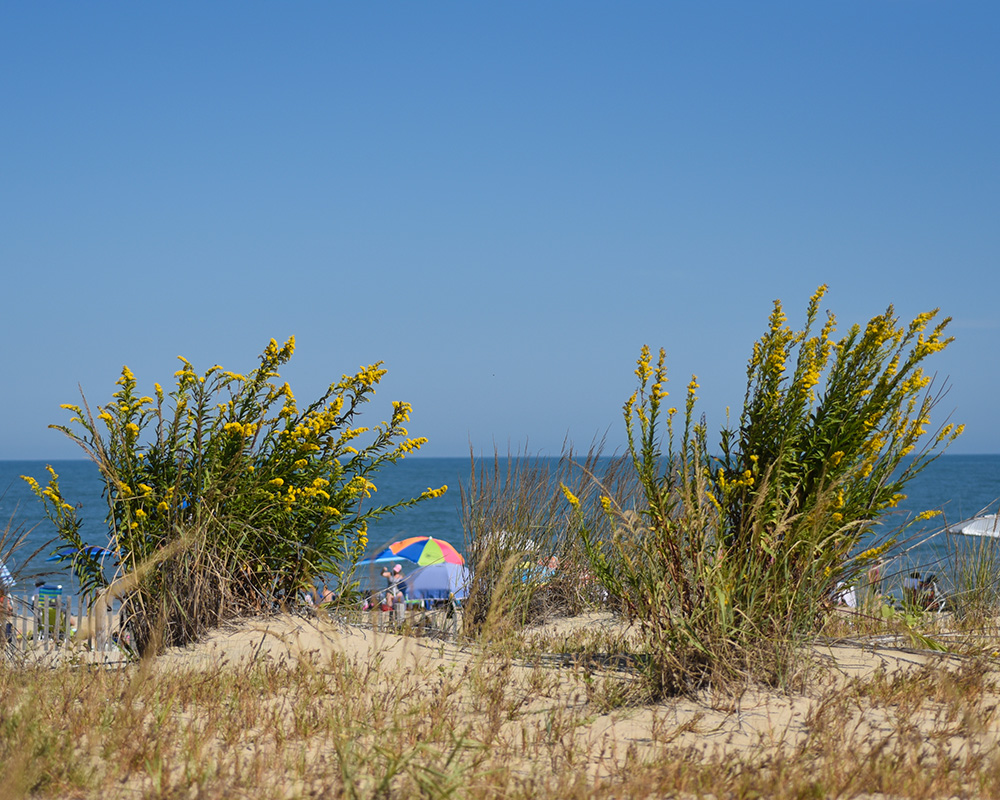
[
  {"x": 875, "y": 576},
  {"x": 7, "y": 583},
  {"x": 930, "y": 597},
  {"x": 912, "y": 590},
  {"x": 845, "y": 595},
  {"x": 873, "y": 588},
  {"x": 310, "y": 597},
  {"x": 399, "y": 579},
  {"x": 396, "y": 581}
]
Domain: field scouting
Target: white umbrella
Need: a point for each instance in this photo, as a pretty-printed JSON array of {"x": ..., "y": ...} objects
[{"x": 988, "y": 525}]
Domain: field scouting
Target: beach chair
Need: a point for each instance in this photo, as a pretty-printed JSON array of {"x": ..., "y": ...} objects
[
  {"x": 49, "y": 613},
  {"x": 48, "y": 591}
]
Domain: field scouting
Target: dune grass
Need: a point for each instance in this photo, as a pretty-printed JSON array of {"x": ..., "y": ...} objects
[
  {"x": 523, "y": 549},
  {"x": 559, "y": 716}
]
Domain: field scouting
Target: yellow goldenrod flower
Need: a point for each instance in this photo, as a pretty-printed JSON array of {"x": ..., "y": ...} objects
[
  {"x": 874, "y": 552},
  {"x": 643, "y": 369},
  {"x": 572, "y": 498}
]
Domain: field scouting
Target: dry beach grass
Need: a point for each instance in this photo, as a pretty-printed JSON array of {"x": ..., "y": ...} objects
[{"x": 292, "y": 706}]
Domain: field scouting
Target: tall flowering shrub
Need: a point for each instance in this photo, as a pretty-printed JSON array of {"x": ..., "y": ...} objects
[
  {"x": 829, "y": 425},
  {"x": 236, "y": 494},
  {"x": 734, "y": 553}
]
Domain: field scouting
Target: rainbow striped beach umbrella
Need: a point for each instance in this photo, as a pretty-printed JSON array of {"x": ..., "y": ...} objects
[{"x": 421, "y": 550}]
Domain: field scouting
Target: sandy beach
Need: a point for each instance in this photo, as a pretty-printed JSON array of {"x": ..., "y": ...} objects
[
  {"x": 302, "y": 705},
  {"x": 847, "y": 698}
]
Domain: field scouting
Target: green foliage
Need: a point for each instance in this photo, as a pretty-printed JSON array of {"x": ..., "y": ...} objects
[
  {"x": 853, "y": 436},
  {"x": 731, "y": 560},
  {"x": 255, "y": 497}
]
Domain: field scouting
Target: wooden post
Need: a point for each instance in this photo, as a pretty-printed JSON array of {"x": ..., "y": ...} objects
[
  {"x": 67, "y": 625},
  {"x": 25, "y": 607}
]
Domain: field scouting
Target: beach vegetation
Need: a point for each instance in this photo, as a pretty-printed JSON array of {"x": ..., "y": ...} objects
[
  {"x": 226, "y": 494},
  {"x": 974, "y": 595},
  {"x": 738, "y": 547},
  {"x": 349, "y": 714},
  {"x": 524, "y": 551}
]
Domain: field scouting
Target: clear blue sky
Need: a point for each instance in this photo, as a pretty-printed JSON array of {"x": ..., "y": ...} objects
[{"x": 501, "y": 201}]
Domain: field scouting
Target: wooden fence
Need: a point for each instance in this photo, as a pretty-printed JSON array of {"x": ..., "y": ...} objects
[{"x": 49, "y": 623}]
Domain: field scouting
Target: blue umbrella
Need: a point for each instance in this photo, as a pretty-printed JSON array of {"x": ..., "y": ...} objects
[
  {"x": 438, "y": 581},
  {"x": 71, "y": 552}
]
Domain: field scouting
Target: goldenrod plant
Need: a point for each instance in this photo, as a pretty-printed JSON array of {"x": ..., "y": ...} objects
[
  {"x": 264, "y": 496},
  {"x": 733, "y": 555}
]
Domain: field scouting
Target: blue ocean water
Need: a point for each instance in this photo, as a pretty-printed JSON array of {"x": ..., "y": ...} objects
[
  {"x": 961, "y": 485},
  {"x": 80, "y": 484}
]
